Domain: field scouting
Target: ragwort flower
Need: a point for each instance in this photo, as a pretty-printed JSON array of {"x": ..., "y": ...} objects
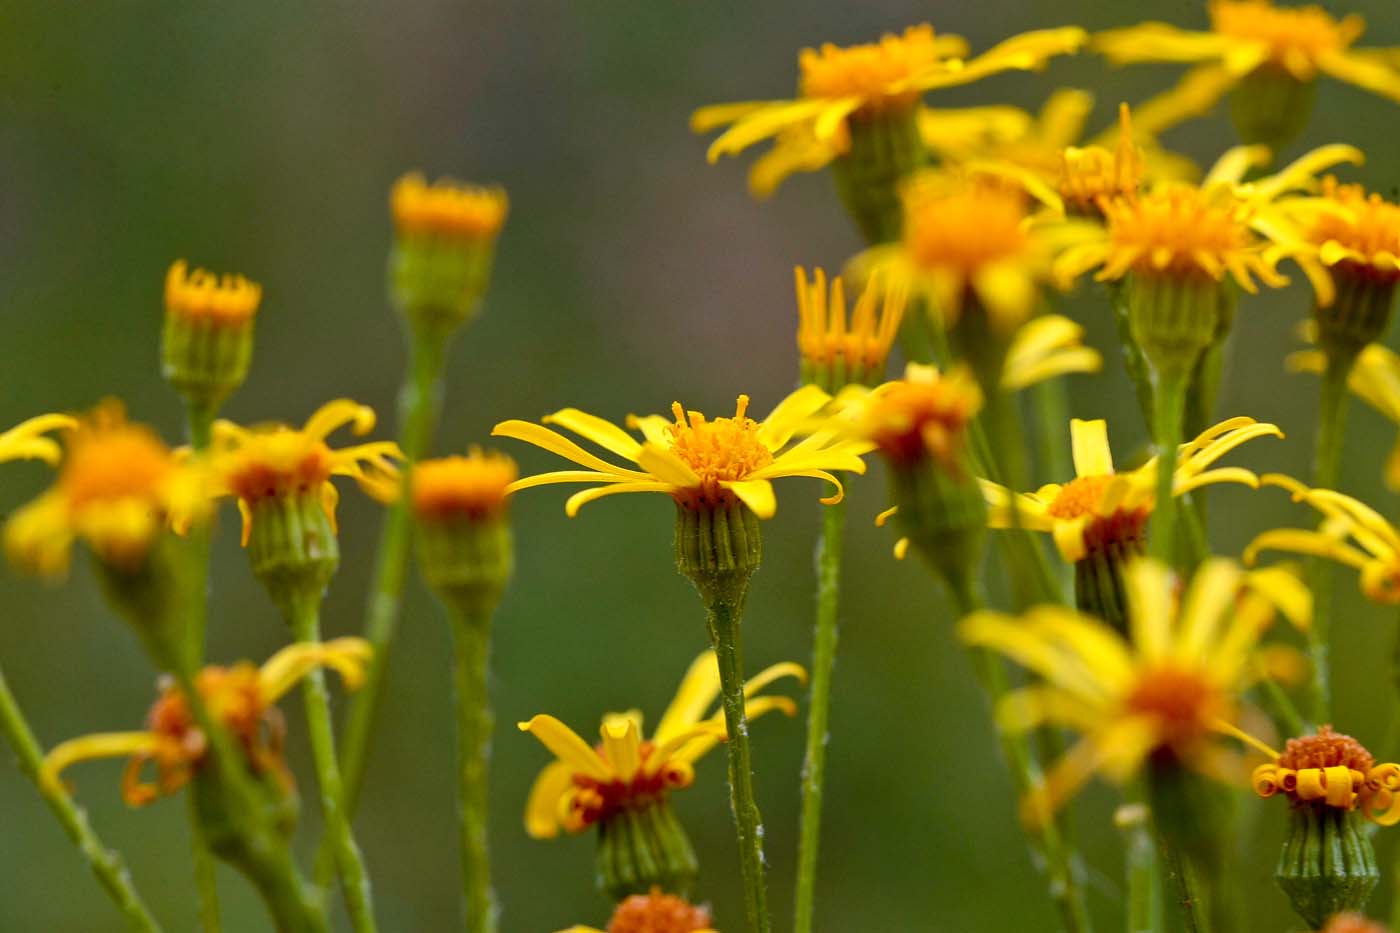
[{"x": 654, "y": 912}]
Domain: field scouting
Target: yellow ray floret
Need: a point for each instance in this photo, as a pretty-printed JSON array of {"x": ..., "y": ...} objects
[
  {"x": 1166, "y": 692},
  {"x": 276, "y": 461},
  {"x": 838, "y": 85},
  {"x": 1249, "y": 36},
  {"x": 586, "y": 784},
  {"x": 852, "y": 348},
  {"x": 243, "y": 697},
  {"x": 1332, "y": 770},
  {"x": 118, "y": 487},
  {"x": 700, "y": 463},
  {"x": 1046, "y": 347},
  {"x": 1352, "y": 533}
]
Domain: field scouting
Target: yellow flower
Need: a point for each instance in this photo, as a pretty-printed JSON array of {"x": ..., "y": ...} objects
[
  {"x": 1375, "y": 379},
  {"x": 1343, "y": 232},
  {"x": 200, "y": 295},
  {"x": 924, "y": 414},
  {"x": 1375, "y": 553},
  {"x": 836, "y": 350},
  {"x": 474, "y": 486},
  {"x": 1331, "y": 770},
  {"x": 587, "y": 784},
  {"x": 699, "y": 463},
  {"x": 654, "y": 913},
  {"x": 1099, "y": 506},
  {"x": 276, "y": 461},
  {"x": 1045, "y": 347},
  {"x": 242, "y": 697},
  {"x": 1254, "y": 36},
  {"x": 447, "y": 209},
  {"x": 1163, "y": 694},
  {"x": 862, "y": 82},
  {"x": 118, "y": 488},
  {"x": 26, "y": 440}
]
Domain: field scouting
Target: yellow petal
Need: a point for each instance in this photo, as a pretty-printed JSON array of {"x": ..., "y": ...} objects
[
  {"x": 560, "y": 445},
  {"x": 697, "y": 691},
  {"x": 1089, "y": 441},
  {"x": 99, "y": 745},
  {"x": 757, "y": 494},
  {"x": 567, "y": 746},
  {"x": 622, "y": 742},
  {"x": 579, "y": 499},
  {"x": 542, "y": 806},
  {"x": 598, "y": 430}
]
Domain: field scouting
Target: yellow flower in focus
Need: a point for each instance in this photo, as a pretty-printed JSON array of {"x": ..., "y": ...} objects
[
  {"x": 243, "y": 697},
  {"x": 1375, "y": 379},
  {"x": 1334, "y": 770},
  {"x": 587, "y": 784},
  {"x": 447, "y": 209},
  {"x": 200, "y": 295},
  {"x": 655, "y": 912},
  {"x": 118, "y": 487},
  {"x": 1353, "y": 534},
  {"x": 859, "y": 83},
  {"x": 836, "y": 350},
  {"x": 1165, "y": 693},
  {"x": 1249, "y": 37},
  {"x": 1101, "y": 507},
  {"x": 475, "y": 486},
  {"x": 698, "y": 463},
  {"x": 277, "y": 461}
]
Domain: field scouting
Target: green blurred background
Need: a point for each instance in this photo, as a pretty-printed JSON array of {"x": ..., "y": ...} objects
[{"x": 262, "y": 138}]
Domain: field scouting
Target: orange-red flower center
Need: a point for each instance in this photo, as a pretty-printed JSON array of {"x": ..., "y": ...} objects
[
  {"x": 1327, "y": 749},
  {"x": 963, "y": 227},
  {"x": 462, "y": 487},
  {"x": 718, "y": 451},
  {"x": 1182, "y": 703},
  {"x": 658, "y": 913},
  {"x": 278, "y": 463},
  {"x": 109, "y": 459},
  {"x": 598, "y": 800},
  {"x": 868, "y": 70}
]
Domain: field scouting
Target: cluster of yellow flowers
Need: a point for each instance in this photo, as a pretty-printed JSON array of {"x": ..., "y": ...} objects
[{"x": 1161, "y": 659}]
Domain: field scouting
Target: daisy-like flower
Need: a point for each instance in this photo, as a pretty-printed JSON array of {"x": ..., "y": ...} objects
[
  {"x": 118, "y": 487},
  {"x": 699, "y": 463},
  {"x": 1164, "y": 694},
  {"x": 587, "y": 785},
  {"x": 1354, "y": 534},
  {"x": 1352, "y": 238},
  {"x": 835, "y": 350},
  {"x": 243, "y": 697},
  {"x": 1375, "y": 379},
  {"x": 842, "y": 88},
  {"x": 1253, "y": 39},
  {"x": 265, "y": 464},
  {"x": 465, "y": 548},
  {"x": 1102, "y": 508},
  {"x": 654, "y": 912},
  {"x": 1333, "y": 770},
  {"x": 1045, "y": 347}
]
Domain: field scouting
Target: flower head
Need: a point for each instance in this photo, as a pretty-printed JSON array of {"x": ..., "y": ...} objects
[
  {"x": 1333, "y": 770},
  {"x": 474, "y": 486},
  {"x": 1342, "y": 233},
  {"x": 119, "y": 487},
  {"x": 700, "y": 463},
  {"x": 242, "y": 697},
  {"x": 835, "y": 350},
  {"x": 1164, "y": 693},
  {"x": 1351, "y": 922},
  {"x": 447, "y": 209},
  {"x": 200, "y": 295},
  {"x": 1101, "y": 506},
  {"x": 587, "y": 784},
  {"x": 654, "y": 913},
  {"x": 923, "y": 415},
  {"x": 1354, "y": 534},
  {"x": 862, "y": 82},
  {"x": 276, "y": 461}
]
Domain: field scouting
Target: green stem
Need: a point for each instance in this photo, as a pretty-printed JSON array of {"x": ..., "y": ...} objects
[
  {"x": 1051, "y": 402},
  {"x": 419, "y": 401},
  {"x": 1143, "y": 869},
  {"x": 1169, "y": 401},
  {"x": 1194, "y": 915},
  {"x": 199, "y": 421},
  {"x": 305, "y": 621},
  {"x": 1046, "y": 840},
  {"x": 293, "y": 908},
  {"x": 823, "y": 661},
  {"x": 1331, "y": 428},
  {"x": 471, "y": 646},
  {"x": 724, "y": 617},
  {"x": 107, "y": 866}
]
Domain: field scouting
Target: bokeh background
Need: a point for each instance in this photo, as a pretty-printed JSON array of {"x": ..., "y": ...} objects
[{"x": 262, "y": 138}]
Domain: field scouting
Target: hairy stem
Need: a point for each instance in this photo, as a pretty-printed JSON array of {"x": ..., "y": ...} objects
[{"x": 471, "y": 645}]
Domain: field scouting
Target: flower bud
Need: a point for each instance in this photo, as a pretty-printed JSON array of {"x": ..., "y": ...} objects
[
  {"x": 464, "y": 536},
  {"x": 207, "y": 340}
]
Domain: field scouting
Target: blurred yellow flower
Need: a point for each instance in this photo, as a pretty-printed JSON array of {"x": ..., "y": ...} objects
[
  {"x": 1165, "y": 693},
  {"x": 836, "y": 350},
  {"x": 586, "y": 784},
  {"x": 655, "y": 912},
  {"x": 1045, "y": 347},
  {"x": 201, "y": 295},
  {"x": 699, "y": 463},
  {"x": 446, "y": 208},
  {"x": 1340, "y": 235},
  {"x": 474, "y": 486}
]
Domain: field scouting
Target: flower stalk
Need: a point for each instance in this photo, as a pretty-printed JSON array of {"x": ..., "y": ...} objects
[{"x": 471, "y": 654}]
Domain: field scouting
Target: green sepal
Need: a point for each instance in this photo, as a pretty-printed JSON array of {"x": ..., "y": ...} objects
[
  {"x": 1360, "y": 314},
  {"x": 466, "y": 561},
  {"x": 1271, "y": 107},
  {"x": 1098, "y": 581},
  {"x": 1327, "y": 864},
  {"x": 437, "y": 282},
  {"x": 292, "y": 547},
  {"x": 643, "y": 847},
  {"x": 718, "y": 548},
  {"x": 1174, "y": 319},
  {"x": 885, "y": 148},
  {"x": 204, "y": 359},
  {"x": 943, "y": 514},
  {"x": 152, "y": 598}
]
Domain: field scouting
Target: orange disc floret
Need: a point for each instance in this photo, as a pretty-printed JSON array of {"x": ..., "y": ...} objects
[
  {"x": 1091, "y": 173},
  {"x": 109, "y": 458},
  {"x": 1363, "y": 237},
  {"x": 718, "y": 451},
  {"x": 1079, "y": 497},
  {"x": 963, "y": 225},
  {"x": 923, "y": 415},
  {"x": 1327, "y": 749},
  {"x": 277, "y": 463},
  {"x": 1183, "y": 232},
  {"x": 201, "y": 295},
  {"x": 1296, "y": 37},
  {"x": 1183, "y": 702},
  {"x": 598, "y": 800},
  {"x": 446, "y": 208},
  {"x": 658, "y": 913},
  {"x": 1353, "y": 923},
  {"x": 474, "y": 486},
  {"x": 872, "y": 70}
]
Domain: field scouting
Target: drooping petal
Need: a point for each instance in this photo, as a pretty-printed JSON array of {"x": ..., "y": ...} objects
[
  {"x": 560, "y": 445},
  {"x": 697, "y": 691},
  {"x": 542, "y": 806},
  {"x": 757, "y": 494},
  {"x": 579, "y": 499},
  {"x": 567, "y": 746}
]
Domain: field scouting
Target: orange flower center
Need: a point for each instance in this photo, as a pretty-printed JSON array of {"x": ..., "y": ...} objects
[
  {"x": 722, "y": 450},
  {"x": 1080, "y": 496},
  {"x": 1327, "y": 749},
  {"x": 447, "y": 209},
  {"x": 109, "y": 459},
  {"x": 1180, "y": 232},
  {"x": 231, "y": 299},
  {"x": 1296, "y": 36},
  {"x": 1368, "y": 224},
  {"x": 870, "y": 71},
  {"x": 1091, "y": 173},
  {"x": 471, "y": 487},
  {"x": 1183, "y": 704},
  {"x": 278, "y": 462},
  {"x": 963, "y": 227},
  {"x": 913, "y": 419},
  {"x": 657, "y": 913},
  {"x": 1352, "y": 923},
  {"x": 598, "y": 800}
]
